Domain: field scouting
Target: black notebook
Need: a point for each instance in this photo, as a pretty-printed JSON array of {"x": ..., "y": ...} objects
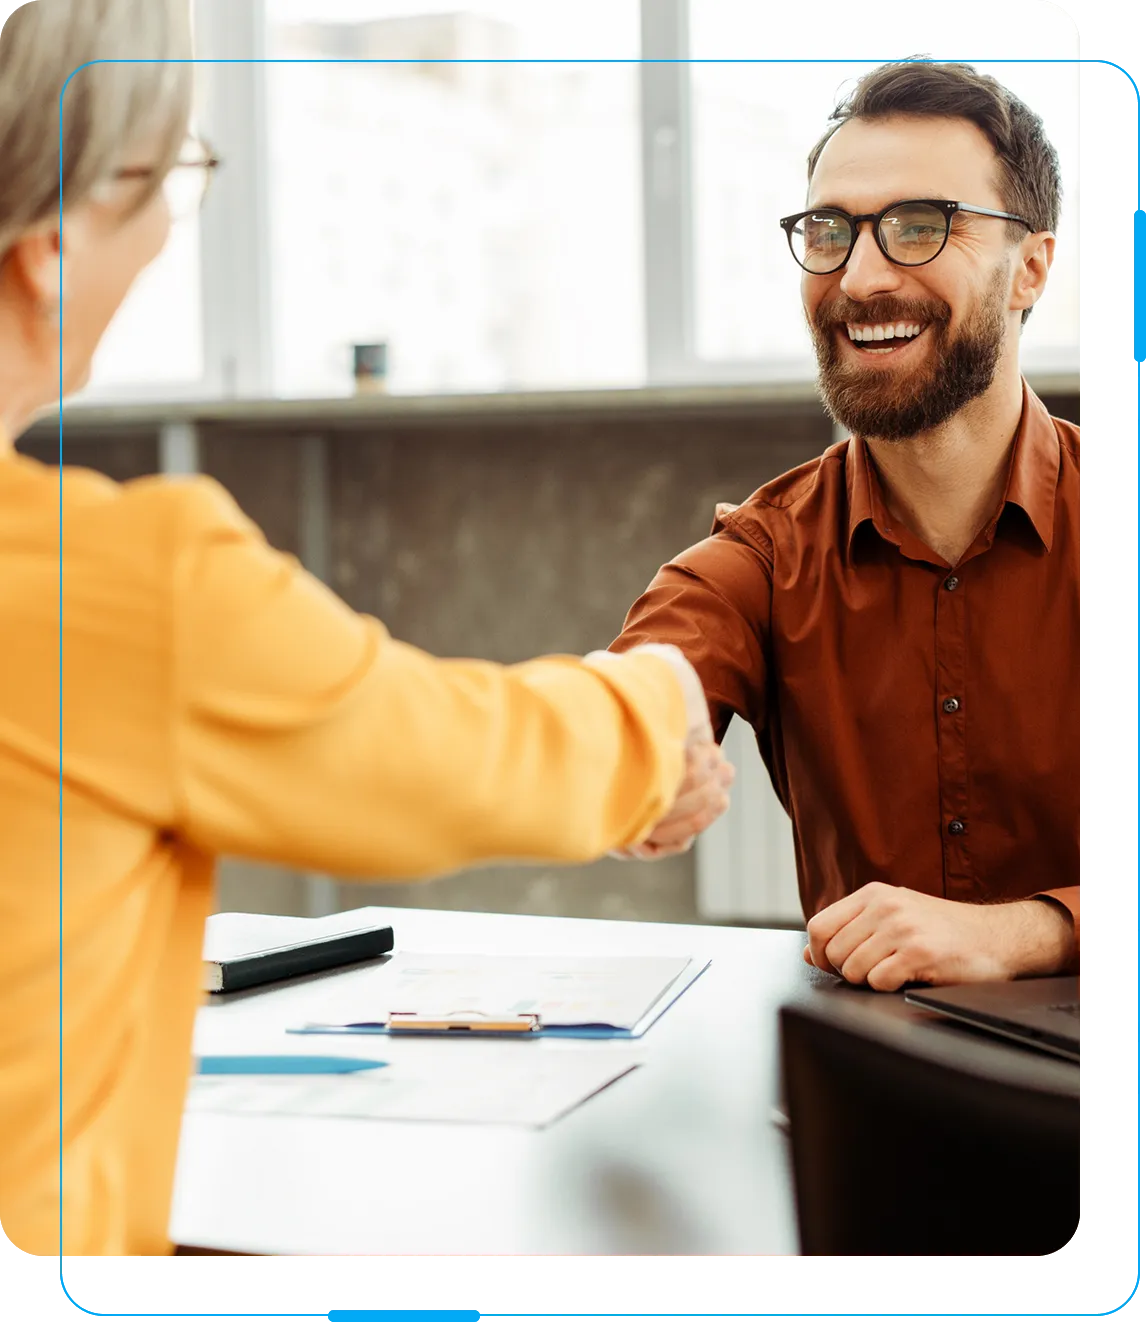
[{"x": 242, "y": 950}]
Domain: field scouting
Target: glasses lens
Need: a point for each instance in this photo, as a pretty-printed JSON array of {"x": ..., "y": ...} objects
[
  {"x": 820, "y": 241},
  {"x": 914, "y": 233}
]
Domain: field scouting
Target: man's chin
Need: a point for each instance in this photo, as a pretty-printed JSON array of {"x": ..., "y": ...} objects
[{"x": 866, "y": 403}]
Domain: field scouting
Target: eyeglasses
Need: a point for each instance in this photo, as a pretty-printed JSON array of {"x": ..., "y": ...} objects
[
  {"x": 188, "y": 180},
  {"x": 909, "y": 233}
]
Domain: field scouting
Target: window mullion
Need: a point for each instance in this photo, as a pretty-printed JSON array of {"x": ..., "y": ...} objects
[
  {"x": 666, "y": 159},
  {"x": 231, "y": 42}
]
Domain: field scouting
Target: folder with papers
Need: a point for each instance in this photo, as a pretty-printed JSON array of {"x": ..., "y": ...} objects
[{"x": 589, "y": 996}]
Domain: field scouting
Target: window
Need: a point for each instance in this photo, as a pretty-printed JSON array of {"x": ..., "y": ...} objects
[
  {"x": 1108, "y": 176},
  {"x": 482, "y": 219},
  {"x": 753, "y": 125},
  {"x": 155, "y": 342},
  {"x": 503, "y": 195}
]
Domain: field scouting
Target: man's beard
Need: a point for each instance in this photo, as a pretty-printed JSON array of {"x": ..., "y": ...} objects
[{"x": 893, "y": 405}]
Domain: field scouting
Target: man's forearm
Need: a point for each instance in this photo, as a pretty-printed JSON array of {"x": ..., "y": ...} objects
[{"x": 1037, "y": 936}]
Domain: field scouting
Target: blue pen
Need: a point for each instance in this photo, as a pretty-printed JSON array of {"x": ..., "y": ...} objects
[
  {"x": 285, "y": 1064},
  {"x": 355, "y": 1029}
]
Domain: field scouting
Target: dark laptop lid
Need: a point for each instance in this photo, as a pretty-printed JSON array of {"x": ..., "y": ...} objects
[{"x": 1041, "y": 1012}]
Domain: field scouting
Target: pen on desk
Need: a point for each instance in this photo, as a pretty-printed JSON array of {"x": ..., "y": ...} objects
[
  {"x": 285, "y": 1064},
  {"x": 356, "y": 1029},
  {"x": 410, "y": 1022}
]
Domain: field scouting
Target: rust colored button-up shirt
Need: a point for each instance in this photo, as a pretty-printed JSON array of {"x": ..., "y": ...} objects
[{"x": 920, "y": 721}]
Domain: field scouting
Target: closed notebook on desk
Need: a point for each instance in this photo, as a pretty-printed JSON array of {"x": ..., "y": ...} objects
[
  {"x": 235, "y": 958},
  {"x": 585, "y": 996}
]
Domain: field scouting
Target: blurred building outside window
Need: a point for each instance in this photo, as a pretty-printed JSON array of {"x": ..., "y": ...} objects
[{"x": 489, "y": 220}]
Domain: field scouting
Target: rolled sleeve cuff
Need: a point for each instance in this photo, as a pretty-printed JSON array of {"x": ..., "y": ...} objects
[{"x": 1067, "y": 897}]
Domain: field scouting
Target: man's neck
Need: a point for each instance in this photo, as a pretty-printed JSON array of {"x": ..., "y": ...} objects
[{"x": 946, "y": 484}]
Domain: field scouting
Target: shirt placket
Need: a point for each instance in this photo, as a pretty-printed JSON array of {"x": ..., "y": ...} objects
[{"x": 950, "y": 715}]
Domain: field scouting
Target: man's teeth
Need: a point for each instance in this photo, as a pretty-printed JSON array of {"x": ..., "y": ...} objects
[{"x": 897, "y": 330}]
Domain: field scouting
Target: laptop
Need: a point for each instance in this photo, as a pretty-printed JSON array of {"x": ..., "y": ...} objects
[{"x": 1039, "y": 1012}]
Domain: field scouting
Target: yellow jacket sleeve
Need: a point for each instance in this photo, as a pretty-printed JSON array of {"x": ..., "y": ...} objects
[{"x": 305, "y": 733}]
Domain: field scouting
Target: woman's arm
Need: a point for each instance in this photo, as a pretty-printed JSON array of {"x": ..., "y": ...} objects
[{"x": 305, "y": 733}]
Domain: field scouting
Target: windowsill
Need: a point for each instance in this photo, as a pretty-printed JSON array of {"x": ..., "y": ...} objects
[{"x": 370, "y": 410}]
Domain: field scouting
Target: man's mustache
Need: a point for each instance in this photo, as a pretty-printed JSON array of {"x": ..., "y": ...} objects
[{"x": 878, "y": 312}]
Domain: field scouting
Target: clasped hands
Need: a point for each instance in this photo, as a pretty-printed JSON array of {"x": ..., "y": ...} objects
[{"x": 702, "y": 796}]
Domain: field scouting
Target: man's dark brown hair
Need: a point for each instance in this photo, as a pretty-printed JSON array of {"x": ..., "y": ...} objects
[{"x": 1030, "y": 183}]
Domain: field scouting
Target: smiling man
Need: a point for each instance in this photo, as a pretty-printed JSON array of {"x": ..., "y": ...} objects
[{"x": 899, "y": 619}]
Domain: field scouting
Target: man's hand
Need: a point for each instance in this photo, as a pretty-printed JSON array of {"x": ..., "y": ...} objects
[
  {"x": 701, "y": 799},
  {"x": 888, "y": 935}
]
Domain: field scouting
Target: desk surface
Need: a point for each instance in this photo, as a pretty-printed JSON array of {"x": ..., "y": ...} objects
[{"x": 682, "y": 1156}]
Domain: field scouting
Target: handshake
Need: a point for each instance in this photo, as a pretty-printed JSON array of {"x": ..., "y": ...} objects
[{"x": 703, "y": 793}]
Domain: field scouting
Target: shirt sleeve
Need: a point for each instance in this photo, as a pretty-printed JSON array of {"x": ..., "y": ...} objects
[
  {"x": 1069, "y": 896},
  {"x": 306, "y": 734},
  {"x": 713, "y": 601}
]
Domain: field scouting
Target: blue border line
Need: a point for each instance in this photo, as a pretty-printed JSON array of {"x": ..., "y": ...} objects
[
  {"x": 1136, "y": 76},
  {"x": 574, "y": 60},
  {"x": 312, "y": 1298},
  {"x": 60, "y": 711},
  {"x": 311, "y": 1301}
]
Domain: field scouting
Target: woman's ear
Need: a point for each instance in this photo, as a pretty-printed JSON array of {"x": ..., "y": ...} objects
[
  {"x": 33, "y": 265},
  {"x": 1035, "y": 258}
]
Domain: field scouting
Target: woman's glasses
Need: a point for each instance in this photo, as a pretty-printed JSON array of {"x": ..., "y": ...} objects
[
  {"x": 188, "y": 180},
  {"x": 908, "y": 233}
]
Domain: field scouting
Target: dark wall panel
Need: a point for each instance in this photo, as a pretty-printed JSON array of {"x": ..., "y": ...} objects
[
  {"x": 121, "y": 457},
  {"x": 262, "y": 473},
  {"x": 1063, "y": 406},
  {"x": 533, "y": 538},
  {"x": 511, "y": 541}
]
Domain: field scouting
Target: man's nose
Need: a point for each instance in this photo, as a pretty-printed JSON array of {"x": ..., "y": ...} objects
[{"x": 868, "y": 271}]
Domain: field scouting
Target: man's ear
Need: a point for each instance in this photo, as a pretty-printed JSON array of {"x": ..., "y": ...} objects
[{"x": 1035, "y": 258}]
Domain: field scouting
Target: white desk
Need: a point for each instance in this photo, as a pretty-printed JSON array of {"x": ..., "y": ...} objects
[{"x": 679, "y": 1156}]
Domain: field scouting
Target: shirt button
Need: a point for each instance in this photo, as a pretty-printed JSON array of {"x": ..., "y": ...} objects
[
  {"x": 951, "y": 583},
  {"x": 950, "y": 704},
  {"x": 956, "y": 827}
]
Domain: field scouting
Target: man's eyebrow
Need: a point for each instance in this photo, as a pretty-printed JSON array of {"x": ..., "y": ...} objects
[
  {"x": 841, "y": 206},
  {"x": 875, "y": 210}
]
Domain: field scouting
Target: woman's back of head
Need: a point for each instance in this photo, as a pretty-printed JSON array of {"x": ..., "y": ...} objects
[
  {"x": 108, "y": 108},
  {"x": 95, "y": 95}
]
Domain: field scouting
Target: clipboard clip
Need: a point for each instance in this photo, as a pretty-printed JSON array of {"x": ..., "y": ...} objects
[{"x": 461, "y": 1021}]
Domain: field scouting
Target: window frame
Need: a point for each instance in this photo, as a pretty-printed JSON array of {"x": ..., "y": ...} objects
[
  {"x": 234, "y": 273},
  {"x": 235, "y": 277},
  {"x": 670, "y": 257}
]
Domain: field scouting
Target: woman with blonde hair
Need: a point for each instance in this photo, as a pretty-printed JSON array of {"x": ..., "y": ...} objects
[{"x": 171, "y": 689}]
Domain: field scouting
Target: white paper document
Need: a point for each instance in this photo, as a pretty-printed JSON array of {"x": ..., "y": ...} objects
[
  {"x": 522, "y": 1086},
  {"x": 617, "y": 992}
]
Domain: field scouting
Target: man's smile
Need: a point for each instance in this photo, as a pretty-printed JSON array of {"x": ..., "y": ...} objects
[{"x": 882, "y": 339}]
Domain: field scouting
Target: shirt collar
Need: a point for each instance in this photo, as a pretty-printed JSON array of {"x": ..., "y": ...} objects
[
  {"x": 1031, "y": 481},
  {"x": 860, "y": 496}
]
